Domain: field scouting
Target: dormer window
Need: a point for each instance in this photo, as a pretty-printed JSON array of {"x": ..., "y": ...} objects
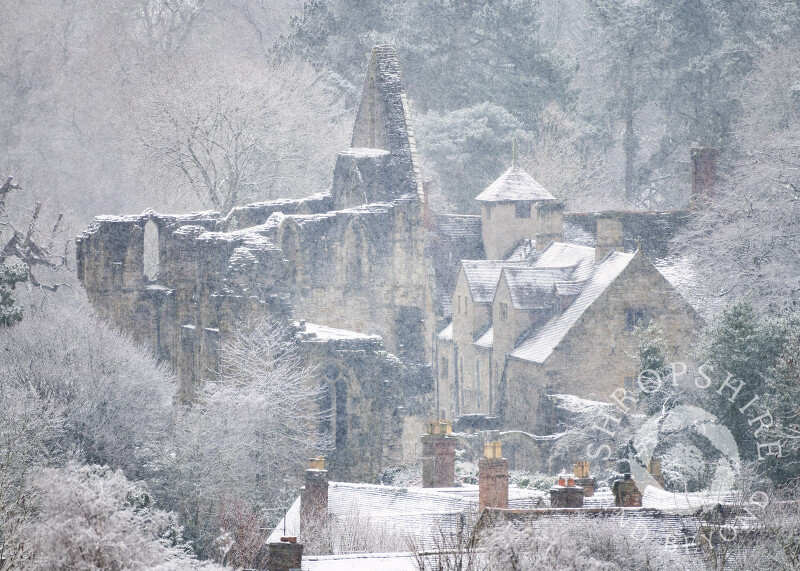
[{"x": 522, "y": 210}]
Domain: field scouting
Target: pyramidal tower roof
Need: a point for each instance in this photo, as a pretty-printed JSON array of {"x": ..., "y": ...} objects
[
  {"x": 512, "y": 186},
  {"x": 384, "y": 122}
]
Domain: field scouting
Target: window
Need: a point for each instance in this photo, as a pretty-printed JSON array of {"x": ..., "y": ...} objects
[
  {"x": 151, "y": 251},
  {"x": 444, "y": 370},
  {"x": 522, "y": 210},
  {"x": 466, "y": 305},
  {"x": 636, "y": 316},
  {"x": 503, "y": 311}
]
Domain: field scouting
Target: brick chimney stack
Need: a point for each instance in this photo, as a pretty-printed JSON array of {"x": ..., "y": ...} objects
[
  {"x": 492, "y": 478},
  {"x": 626, "y": 493},
  {"x": 654, "y": 469},
  {"x": 704, "y": 172},
  {"x": 609, "y": 235},
  {"x": 285, "y": 555},
  {"x": 439, "y": 455},
  {"x": 583, "y": 479},
  {"x": 566, "y": 494},
  {"x": 314, "y": 498}
]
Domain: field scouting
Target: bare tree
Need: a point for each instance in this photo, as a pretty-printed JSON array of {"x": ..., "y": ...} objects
[
  {"x": 24, "y": 241},
  {"x": 746, "y": 238},
  {"x": 231, "y": 132}
]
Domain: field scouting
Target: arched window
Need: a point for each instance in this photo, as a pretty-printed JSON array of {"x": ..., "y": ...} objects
[
  {"x": 356, "y": 254},
  {"x": 151, "y": 251},
  {"x": 289, "y": 243}
]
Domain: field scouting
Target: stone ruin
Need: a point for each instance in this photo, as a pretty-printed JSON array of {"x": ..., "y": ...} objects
[{"x": 346, "y": 266}]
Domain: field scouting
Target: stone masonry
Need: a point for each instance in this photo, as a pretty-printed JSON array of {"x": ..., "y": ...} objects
[{"x": 350, "y": 260}]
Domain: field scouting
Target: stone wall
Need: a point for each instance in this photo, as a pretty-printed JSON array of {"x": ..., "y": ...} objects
[
  {"x": 351, "y": 258},
  {"x": 604, "y": 341}
]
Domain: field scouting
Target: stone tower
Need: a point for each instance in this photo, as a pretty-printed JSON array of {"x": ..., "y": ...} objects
[{"x": 516, "y": 207}]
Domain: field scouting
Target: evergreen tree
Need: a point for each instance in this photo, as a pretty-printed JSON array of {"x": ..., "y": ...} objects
[
  {"x": 10, "y": 312},
  {"x": 741, "y": 348}
]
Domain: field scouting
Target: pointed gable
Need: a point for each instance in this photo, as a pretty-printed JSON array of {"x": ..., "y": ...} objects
[{"x": 383, "y": 120}]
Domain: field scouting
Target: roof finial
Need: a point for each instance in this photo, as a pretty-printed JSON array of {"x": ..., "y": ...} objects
[{"x": 514, "y": 152}]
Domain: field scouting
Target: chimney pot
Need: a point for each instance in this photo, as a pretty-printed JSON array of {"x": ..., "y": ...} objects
[{"x": 583, "y": 479}]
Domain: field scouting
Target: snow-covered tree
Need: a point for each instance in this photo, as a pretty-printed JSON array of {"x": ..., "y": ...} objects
[
  {"x": 247, "y": 437},
  {"x": 114, "y": 401},
  {"x": 745, "y": 238},
  {"x": 91, "y": 518},
  {"x": 228, "y": 132}
]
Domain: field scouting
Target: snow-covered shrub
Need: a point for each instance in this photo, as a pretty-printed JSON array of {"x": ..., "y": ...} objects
[{"x": 92, "y": 518}]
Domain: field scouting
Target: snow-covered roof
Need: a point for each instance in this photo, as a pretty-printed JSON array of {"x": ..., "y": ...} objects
[
  {"x": 446, "y": 334},
  {"x": 415, "y": 516},
  {"x": 532, "y": 287},
  {"x": 514, "y": 185},
  {"x": 540, "y": 345},
  {"x": 483, "y": 277},
  {"x": 485, "y": 340}
]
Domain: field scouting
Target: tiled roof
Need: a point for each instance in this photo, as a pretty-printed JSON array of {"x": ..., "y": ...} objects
[
  {"x": 532, "y": 287},
  {"x": 483, "y": 276},
  {"x": 538, "y": 347},
  {"x": 666, "y": 528},
  {"x": 513, "y": 185},
  {"x": 456, "y": 226}
]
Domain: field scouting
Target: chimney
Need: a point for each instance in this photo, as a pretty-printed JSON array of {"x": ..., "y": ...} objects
[
  {"x": 492, "y": 478},
  {"x": 626, "y": 493},
  {"x": 314, "y": 498},
  {"x": 439, "y": 455},
  {"x": 583, "y": 479},
  {"x": 654, "y": 469},
  {"x": 285, "y": 555},
  {"x": 609, "y": 235},
  {"x": 704, "y": 172},
  {"x": 566, "y": 494}
]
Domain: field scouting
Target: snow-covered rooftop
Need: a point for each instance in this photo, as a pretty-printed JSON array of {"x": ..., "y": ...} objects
[
  {"x": 514, "y": 185},
  {"x": 541, "y": 344}
]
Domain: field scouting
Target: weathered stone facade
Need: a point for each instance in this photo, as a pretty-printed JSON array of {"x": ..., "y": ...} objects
[
  {"x": 368, "y": 276},
  {"x": 557, "y": 320},
  {"x": 351, "y": 259}
]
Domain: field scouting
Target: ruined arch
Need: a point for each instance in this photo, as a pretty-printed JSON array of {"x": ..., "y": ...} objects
[
  {"x": 356, "y": 258},
  {"x": 151, "y": 251},
  {"x": 289, "y": 242}
]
